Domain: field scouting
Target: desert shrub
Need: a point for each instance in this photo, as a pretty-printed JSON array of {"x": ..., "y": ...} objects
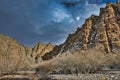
[
  {"x": 87, "y": 62},
  {"x": 80, "y": 62},
  {"x": 45, "y": 78}
]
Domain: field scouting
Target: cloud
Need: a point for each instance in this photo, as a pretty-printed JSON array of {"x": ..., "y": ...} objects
[
  {"x": 59, "y": 15},
  {"x": 45, "y": 21},
  {"x": 65, "y": 20}
]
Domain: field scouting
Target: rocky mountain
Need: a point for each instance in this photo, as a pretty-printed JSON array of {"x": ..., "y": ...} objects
[
  {"x": 102, "y": 32},
  {"x": 12, "y": 50}
]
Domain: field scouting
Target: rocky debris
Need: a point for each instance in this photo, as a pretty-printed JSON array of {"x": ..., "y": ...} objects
[{"x": 102, "y": 32}]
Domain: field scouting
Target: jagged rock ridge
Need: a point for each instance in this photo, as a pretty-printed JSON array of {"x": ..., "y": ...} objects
[
  {"x": 10, "y": 47},
  {"x": 101, "y": 31},
  {"x": 40, "y": 50}
]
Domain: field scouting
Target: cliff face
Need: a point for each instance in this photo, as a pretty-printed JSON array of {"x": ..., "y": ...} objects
[{"x": 101, "y": 31}]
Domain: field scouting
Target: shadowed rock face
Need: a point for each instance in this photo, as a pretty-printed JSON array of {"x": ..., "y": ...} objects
[{"x": 101, "y": 32}]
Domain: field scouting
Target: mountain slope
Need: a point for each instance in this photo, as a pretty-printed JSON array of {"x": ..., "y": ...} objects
[
  {"x": 11, "y": 50},
  {"x": 102, "y": 32},
  {"x": 13, "y": 56}
]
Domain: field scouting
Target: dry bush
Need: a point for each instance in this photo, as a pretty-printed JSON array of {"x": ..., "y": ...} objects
[
  {"x": 12, "y": 63},
  {"x": 86, "y": 62},
  {"x": 45, "y": 78},
  {"x": 46, "y": 68},
  {"x": 80, "y": 62}
]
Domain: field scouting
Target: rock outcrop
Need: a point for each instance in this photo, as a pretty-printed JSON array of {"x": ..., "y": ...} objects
[
  {"x": 40, "y": 50},
  {"x": 101, "y": 31}
]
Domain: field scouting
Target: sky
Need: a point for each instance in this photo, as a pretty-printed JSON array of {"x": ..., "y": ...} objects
[{"x": 33, "y": 21}]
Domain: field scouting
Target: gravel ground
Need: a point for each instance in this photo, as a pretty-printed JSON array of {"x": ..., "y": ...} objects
[
  {"x": 66, "y": 77},
  {"x": 87, "y": 77}
]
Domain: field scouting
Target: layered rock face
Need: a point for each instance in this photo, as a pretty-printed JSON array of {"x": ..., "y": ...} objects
[{"x": 101, "y": 31}]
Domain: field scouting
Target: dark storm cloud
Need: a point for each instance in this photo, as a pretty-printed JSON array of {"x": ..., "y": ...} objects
[{"x": 32, "y": 21}]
